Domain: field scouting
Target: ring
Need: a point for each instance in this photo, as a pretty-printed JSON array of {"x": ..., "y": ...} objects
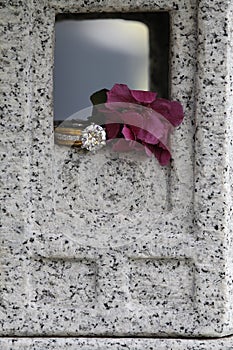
[{"x": 91, "y": 137}]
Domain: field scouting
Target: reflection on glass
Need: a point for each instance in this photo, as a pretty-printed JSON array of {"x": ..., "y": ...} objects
[{"x": 93, "y": 54}]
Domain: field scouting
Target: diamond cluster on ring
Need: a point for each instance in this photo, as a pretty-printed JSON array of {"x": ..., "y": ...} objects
[{"x": 93, "y": 137}]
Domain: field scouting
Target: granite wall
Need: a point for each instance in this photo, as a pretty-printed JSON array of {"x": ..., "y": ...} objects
[{"x": 80, "y": 265}]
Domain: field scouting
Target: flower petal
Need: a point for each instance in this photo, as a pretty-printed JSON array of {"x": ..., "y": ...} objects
[
  {"x": 119, "y": 93},
  {"x": 171, "y": 110},
  {"x": 112, "y": 130},
  {"x": 177, "y": 113},
  {"x": 147, "y": 137},
  {"x": 163, "y": 155},
  {"x": 122, "y": 145},
  {"x": 148, "y": 150},
  {"x": 145, "y": 97},
  {"x": 128, "y": 134},
  {"x": 132, "y": 118},
  {"x": 154, "y": 123}
]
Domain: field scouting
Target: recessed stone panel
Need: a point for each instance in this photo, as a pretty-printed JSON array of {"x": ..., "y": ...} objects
[
  {"x": 167, "y": 281},
  {"x": 66, "y": 282}
]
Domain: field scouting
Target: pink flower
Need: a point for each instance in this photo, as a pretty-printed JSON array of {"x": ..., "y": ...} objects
[
  {"x": 171, "y": 110},
  {"x": 146, "y": 119}
]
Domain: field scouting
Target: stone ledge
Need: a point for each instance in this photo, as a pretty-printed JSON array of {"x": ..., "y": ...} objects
[{"x": 115, "y": 344}]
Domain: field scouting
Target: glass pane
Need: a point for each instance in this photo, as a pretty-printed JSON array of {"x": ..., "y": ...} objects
[{"x": 95, "y": 54}]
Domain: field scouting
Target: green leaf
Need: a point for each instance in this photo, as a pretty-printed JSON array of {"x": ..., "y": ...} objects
[{"x": 99, "y": 97}]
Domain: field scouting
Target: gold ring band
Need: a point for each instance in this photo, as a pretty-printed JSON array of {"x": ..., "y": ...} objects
[
  {"x": 68, "y": 137},
  {"x": 68, "y": 131},
  {"x": 68, "y": 143},
  {"x": 91, "y": 137}
]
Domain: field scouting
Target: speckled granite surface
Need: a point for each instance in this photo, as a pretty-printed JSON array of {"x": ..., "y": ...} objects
[
  {"x": 115, "y": 344},
  {"x": 76, "y": 263}
]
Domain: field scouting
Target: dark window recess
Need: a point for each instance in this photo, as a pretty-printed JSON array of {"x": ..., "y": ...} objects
[{"x": 159, "y": 26}]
